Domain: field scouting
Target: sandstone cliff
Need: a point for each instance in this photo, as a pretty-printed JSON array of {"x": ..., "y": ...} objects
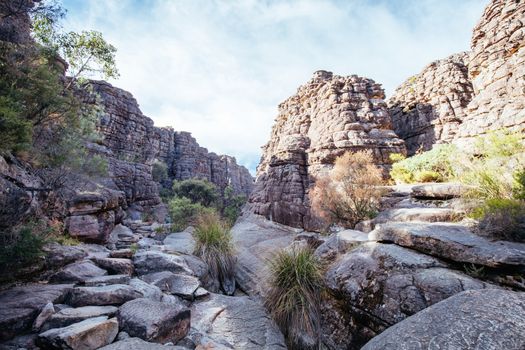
[
  {"x": 328, "y": 116},
  {"x": 468, "y": 94}
]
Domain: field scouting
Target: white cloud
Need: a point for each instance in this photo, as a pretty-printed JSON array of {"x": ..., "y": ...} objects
[{"x": 219, "y": 68}]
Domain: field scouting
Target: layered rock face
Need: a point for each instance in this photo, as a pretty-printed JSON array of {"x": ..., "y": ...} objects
[
  {"x": 429, "y": 107},
  {"x": 468, "y": 94},
  {"x": 497, "y": 70},
  {"x": 328, "y": 116}
]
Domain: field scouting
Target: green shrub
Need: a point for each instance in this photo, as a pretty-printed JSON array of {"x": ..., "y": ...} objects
[
  {"x": 294, "y": 295},
  {"x": 20, "y": 248},
  {"x": 184, "y": 212},
  {"x": 434, "y": 165},
  {"x": 197, "y": 191},
  {"x": 519, "y": 185},
  {"x": 502, "y": 219},
  {"x": 231, "y": 205},
  {"x": 159, "y": 171},
  {"x": 213, "y": 244}
]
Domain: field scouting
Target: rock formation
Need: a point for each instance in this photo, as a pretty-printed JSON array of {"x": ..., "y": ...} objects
[
  {"x": 428, "y": 107},
  {"x": 468, "y": 94},
  {"x": 328, "y": 116}
]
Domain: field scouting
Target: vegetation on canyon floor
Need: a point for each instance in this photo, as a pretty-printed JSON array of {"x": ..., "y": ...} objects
[{"x": 294, "y": 295}]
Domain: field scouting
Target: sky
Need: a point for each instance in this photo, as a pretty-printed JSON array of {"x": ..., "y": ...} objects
[{"x": 219, "y": 68}]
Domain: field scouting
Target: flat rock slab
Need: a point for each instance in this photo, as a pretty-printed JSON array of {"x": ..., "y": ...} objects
[
  {"x": 58, "y": 255},
  {"x": 116, "y": 265},
  {"x": 181, "y": 285},
  {"x": 339, "y": 243},
  {"x": 377, "y": 285},
  {"x": 154, "y": 261},
  {"x": 139, "y": 344},
  {"x": 236, "y": 323},
  {"x": 115, "y": 294},
  {"x": 105, "y": 280},
  {"x": 121, "y": 253},
  {"x": 154, "y": 321},
  {"x": 77, "y": 272},
  {"x": 416, "y": 214},
  {"x": 476, "y": 319},
  {"x": 89, "y": 334},
  {"x": 438, "y": 190},
  {"x": 67, "y": 317},
  {"x": 181, "y": 242},
  {"x": 146, "y": 290},
  {"x": 451, "y": 241},
  {"x": 19, "y": 306}
]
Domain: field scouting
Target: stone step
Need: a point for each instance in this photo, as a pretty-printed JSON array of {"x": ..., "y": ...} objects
[
  {"x": 114, "y": 294},
  {"x": 453, "y": 242},
  {"x": 67, "y": 317}
]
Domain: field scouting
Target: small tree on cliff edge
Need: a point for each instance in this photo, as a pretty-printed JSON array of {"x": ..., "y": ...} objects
[{"x": 350, "y": 192}]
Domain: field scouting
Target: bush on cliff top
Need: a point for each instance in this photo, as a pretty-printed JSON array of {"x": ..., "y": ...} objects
[
  {"x": 435, "y": 165},
  {"x": 294, "y": 295},
  {"x": 350, "y": 192}
]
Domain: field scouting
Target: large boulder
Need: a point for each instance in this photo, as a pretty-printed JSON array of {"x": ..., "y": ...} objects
[
  {"x": 146, "y": 290},
  {"x": 154, "y": 321},
  {"x": 154, "y": 261},
  {"x": 114, "y": 294},
  {"x": 181, "y": 242},
  {"x": 256, "y": 239},
  {"x": 452, "y": 241},
  {"x": 78, "y": 272},
  {"x": 181, "y": 285},
  {"x": 377, "y": 285},
  {"x": 58, "y": 255},
  {"x": 339, "y": 243},
  {"x": 474, "y": 319},
  {"x": 235, "y": 323},
  {"x": 19, "y": 306},
  {"x": 116, "y": 265},
  {"x": 89, "y": 334}
]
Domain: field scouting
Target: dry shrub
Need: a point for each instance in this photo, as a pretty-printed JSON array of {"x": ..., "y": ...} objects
[{"x": 350, "y": 193}]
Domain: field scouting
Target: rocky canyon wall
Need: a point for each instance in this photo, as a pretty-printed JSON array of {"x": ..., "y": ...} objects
[
  {"x": 468, "y": 94},
  {"x": 328, "y": 116}
]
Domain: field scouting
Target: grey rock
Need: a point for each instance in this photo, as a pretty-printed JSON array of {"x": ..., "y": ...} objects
[
  {"x": 416, "y": 214},
  {"x": 153, "y": 261},
  {"x": 69, "y": 316},
  {"x": 77, "y": 272},
  {"x": 116, "y": 265},
  {"x": 114, "y": 294},
  {"x": 154, "y": 321},
  {"x": 105, "y": 280},
  {"x": 22, "y": 342},
  {"x": 475, "y": 319},
  {"x": 58, "y": 255},
  {"x": 452, "y": 241},
  {"x": 181, "y": 285},
  {"x": 181, "y": 242},
  {"x": 339, "y": 243},
  {"x": 146, "y": 290},
  {"x": 44, "y": 315},
  {"x": 139, "y": 344},
  {"x": 121, "y": 253},
  {"x": 19, "y": 306},
  {"x": 235, "y": 323},
  {"x": 89, "y": 334},
  {"x": 438, "y": 190},
  {"x": 256, "y": 239},
  {"x": 377, "y": 285}
]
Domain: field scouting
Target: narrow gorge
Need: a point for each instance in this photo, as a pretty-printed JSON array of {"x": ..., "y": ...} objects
[{"x": 425, "y": 269}]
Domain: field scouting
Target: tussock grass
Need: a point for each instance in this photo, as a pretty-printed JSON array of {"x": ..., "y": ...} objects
[
  {"x": 294, "y": 296},
  {"x": 213, "y": 244}
]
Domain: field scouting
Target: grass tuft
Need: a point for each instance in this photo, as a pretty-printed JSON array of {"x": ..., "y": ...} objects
[
  {"x": 213, "y": 244},
  {"x": 294, "y": 295}
]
